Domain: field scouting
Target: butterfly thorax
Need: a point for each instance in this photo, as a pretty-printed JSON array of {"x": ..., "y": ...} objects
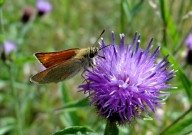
[{"x": 86, "y": 56}]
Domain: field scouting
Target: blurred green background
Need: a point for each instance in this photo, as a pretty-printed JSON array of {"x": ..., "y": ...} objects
[{"x": 31, "y": 109}]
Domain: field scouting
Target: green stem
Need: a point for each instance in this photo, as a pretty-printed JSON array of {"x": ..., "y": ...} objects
[
  {"x": 177, "y": 120},
  {"x": 111, "y": 128},
  {"x": 122, "y": 20},
  {"x": 16, "y": 101},
  {"x": 1, "y": 26},
  {"x": 164, "y": 18}
]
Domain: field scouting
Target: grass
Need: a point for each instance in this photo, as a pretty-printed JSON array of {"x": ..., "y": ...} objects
[{"x": 32, "y": 109}]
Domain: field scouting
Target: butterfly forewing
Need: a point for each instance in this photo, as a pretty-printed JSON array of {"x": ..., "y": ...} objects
[
  {"x": 58, "y": 72},
  {"x": 54, "y": 58}
]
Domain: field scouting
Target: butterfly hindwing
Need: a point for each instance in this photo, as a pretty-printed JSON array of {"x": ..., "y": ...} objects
[{"x": 58, "y": 72}]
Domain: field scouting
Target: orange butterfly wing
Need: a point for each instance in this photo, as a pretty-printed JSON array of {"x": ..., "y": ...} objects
[{"x": 53, "y": 58}]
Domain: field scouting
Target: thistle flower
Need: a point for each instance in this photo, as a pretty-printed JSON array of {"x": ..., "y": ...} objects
[
  {"x": 188, "y": 43},
  {"x": 6, "y": 48},
  {"x": 27, "y": 14},
  {"x": 43, "y": 7},
  {"x": 127, "y": 82},
  {"x": 9, "y": 47}
]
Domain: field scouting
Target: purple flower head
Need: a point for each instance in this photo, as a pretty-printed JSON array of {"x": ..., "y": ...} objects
[
  {"x": 188, "y": 41},
  {"x": 27, "y": 14},
  {"x": 9, "y": 46},
  {"x": 43, "y": 7},
  {"x": 127, "y": 82}
]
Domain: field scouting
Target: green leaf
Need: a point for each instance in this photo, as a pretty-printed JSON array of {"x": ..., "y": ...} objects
[
  {"x": 7, "y": 124},
  {"x": 181, "y": 128},
  {"x": 126, "y": 8},
  {"x": 183, "y": 78},
  {"x": 2, "y": 39},
  {"x": 5, "y": 129},
  {"x": 164, "y": 11},
  {"x": 76, "y": 104},
  {"x": 137, "y": 7},
  {"x": 147, "y": 118},
  {"x": 1, "y": 2},
  {"x": 128, "y": 11},
  {"x": 24, "y": 59},
  {"x": 173, "y": 32},
  {"x": 65, "y": 93},
  {"x": 81, "y": 103},
  {"x": 73, "y": 130}
]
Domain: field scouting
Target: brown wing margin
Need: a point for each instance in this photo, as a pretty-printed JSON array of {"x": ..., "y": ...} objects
[{"x": 53, "y": 58}]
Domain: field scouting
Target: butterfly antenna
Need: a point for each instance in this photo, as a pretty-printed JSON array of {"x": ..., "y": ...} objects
[
  {"x": 105, "y": 46},
  {"x": 99, "y": 36}
]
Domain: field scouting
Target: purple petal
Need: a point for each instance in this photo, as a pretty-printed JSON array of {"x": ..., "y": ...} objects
[
  {"x": 188, "y": 41},
  {"x": 43, "y": 6},
  {"x": 9, "y": 46}
]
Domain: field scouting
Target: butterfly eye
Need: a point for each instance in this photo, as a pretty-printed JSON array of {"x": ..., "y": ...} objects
[{"x": 91, "y": 55}]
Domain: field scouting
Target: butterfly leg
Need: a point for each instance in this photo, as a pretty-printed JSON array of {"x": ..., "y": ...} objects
[
  {"x": 101, "y": 57},
  {"x": 82, "y": 75}
]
